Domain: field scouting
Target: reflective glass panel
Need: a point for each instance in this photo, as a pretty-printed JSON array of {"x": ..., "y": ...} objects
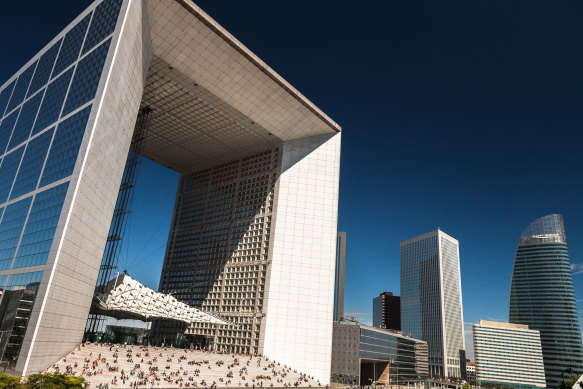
[
  {"x": 53, "y": 101},
  {"x": 10, "y": 230},
  {"x": 40, "y": 228},
  {"x": 5, "y": 96},
  {"x": 25, "y": 121},
  {"x": 21, "y": 87},
  {"x": 44, "y": 68},
  {"x": 71, "y": 46},
  {"x": 103, "y": 23},
  {"x": 19, "y": 296},
  {"x": 32, "y": 163},
  {"x": 6, "y": 130},
  {"x": 65, "y": 148},
  {"x": 8, "y": 172},
  {"x": 86, "y": 78}
]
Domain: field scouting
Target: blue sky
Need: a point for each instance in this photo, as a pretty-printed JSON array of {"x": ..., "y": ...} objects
[{"x": 462, "y": 115}]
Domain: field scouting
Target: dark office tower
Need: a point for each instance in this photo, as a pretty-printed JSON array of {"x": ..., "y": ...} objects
[
  {"x": 386, "y": 311},
  {"x": 542, "y": 296},
  {"x": 339, "y": 275}
]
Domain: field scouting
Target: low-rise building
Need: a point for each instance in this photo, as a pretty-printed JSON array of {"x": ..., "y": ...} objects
[
  {"x": 363, "y": 354},
  {"x": 470, "y": 371},
  {"x": 508, "y": 354}
]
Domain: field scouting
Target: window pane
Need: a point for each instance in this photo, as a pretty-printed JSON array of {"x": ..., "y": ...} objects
[
  {"x": 40, "y": 228},
  {"x": 86, "y": 78},
  {"x": 8, "y": 171},
  {"x": 21, "y": 87},
  {"x": 31, "y": 166},
  {"x": 65, "y": 148},
  {"x": 10, "y": 230},
  {"x": 6, "y": 130},
  {"x": 53, "y": 101},
  {"x": 25, "y": 121},
  {"x": 21, "y": 290},
  {"x": 44, "y": 68},
  {"x": 5, "y": 96},
  {"x": 103, "y": 23},
  {"x": 71, "y": 46}
]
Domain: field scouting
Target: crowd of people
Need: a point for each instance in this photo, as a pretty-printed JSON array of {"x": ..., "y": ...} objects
[{"x": 106, "y": 366}]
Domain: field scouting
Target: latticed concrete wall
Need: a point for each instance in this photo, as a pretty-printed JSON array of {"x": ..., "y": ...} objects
[{"x": 218, "y": 252}]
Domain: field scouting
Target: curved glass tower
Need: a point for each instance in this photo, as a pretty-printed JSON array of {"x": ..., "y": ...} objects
[{"x": 542, "y": 296}]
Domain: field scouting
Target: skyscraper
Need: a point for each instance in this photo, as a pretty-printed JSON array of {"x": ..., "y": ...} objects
[
  {"x": 386, "y": 311},
  {"x": 508, "y": 354},
  {"x": 253, "y": 234},
  {"x": 431, "y": 299},
  {"x": 339, "y": 276},
  {"x": 542, "y": 296}
]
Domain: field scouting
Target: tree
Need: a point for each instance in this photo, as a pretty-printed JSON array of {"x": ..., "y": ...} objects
[
  {"x": 54, "y": 381},
  {"x": 8, "y": 381}
]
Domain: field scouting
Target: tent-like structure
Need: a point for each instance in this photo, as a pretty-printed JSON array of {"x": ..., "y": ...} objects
[{"x": 125, "y": 298}]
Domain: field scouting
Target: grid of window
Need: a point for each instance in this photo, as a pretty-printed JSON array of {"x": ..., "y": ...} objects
[
  {"x": 25, "y": 121},
  {"x": 8, "y": 171},
  {"x": 429, "y": 264},
  {"x": 63, "y": 154},
  {"x": 71, "y": 46},
  {"x": 542, "y": 296},
  {"x": 39, "y": 144},
  {"x": 40, "y": 228},
  {"x": 219, "y": 245},
  {"x": 510, "y": 356},
  {"x": 53, "y": 101},
  {"x": 44, "y": 68},
  {"x": 10, "y": 230},
  {"x": 103, "y": 23},
  {"x": 18, "y": 296},
  {"x": 6, "y": 130},
  {"x": 452, "y": 308},
  {"x": 421, "y": 295},
  {"x": 32, "y": 163},
  {"x": 86, "y": 78},
  {"x": 21, "y": 87},
  {"x": 409, "y": 361},
  {"x": 5, "y": 97}
]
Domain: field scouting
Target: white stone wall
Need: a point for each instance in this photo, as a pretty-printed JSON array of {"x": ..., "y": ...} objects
[
  {"x": 454, "y": 339},
  {"x": 60, "y": 312},
  {"x": 298, "y": 329}
]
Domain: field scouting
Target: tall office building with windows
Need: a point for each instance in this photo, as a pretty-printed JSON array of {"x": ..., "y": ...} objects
[
  {"x": 431, "y": 299},
  {"x": 508, "y": 354},
  {"x": 542, "y": 296},
  {"x": 386, "y": 311},
  {"x": 253, "y": 236}
]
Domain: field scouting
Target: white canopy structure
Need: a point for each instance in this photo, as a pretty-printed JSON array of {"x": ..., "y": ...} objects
[{"x": 126, "y": 298}]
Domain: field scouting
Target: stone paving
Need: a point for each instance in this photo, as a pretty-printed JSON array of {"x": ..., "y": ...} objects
[{"x": 121, "y": 366}]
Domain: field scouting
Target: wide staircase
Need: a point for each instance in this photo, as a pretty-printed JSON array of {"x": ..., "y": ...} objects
[{"x": 124, "y": 366}]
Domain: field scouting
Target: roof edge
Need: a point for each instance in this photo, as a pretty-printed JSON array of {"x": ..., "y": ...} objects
[
  {"x": 546, "y": 229},
  {"x": 208, "y": 21}
]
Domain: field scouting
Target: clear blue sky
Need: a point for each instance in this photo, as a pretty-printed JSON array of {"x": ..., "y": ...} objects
[{"x": 463, "y": 115}]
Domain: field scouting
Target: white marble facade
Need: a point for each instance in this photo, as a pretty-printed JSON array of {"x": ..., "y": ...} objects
[{"x": 191, "y": 48}]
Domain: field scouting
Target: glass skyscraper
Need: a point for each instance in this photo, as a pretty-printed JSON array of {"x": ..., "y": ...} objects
[
  {"x": 542, "y": 296},
  {"x": 431, "y": 299}
]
